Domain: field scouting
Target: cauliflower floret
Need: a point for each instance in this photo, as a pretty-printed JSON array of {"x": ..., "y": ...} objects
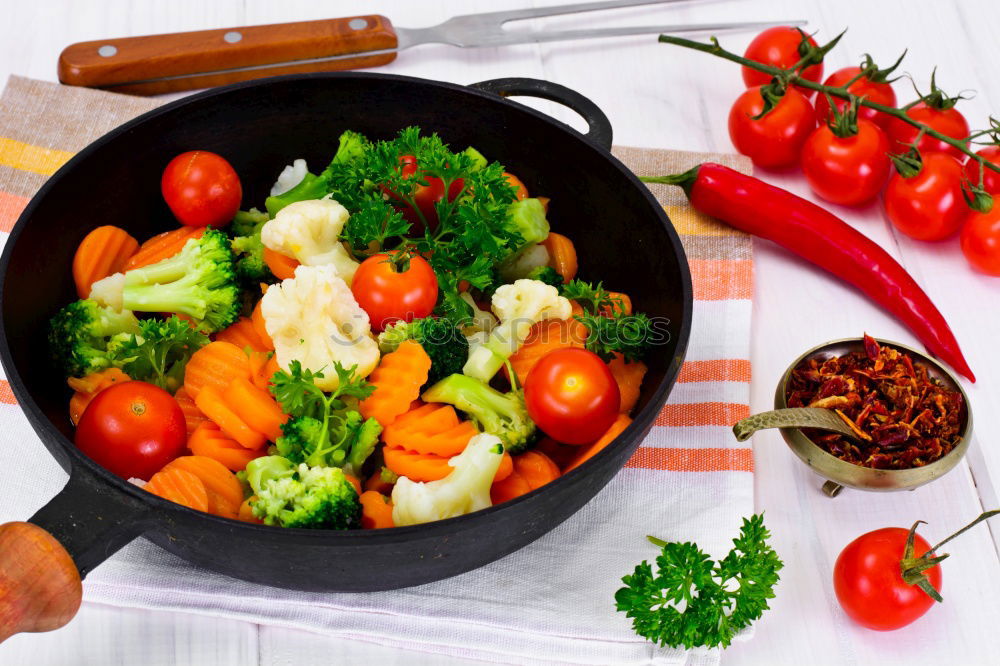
[
  {"x": 482, "y": 320},
  {"x": 309, "y": 231},
  {"x": 289, "y": 177},
  {"x": 464, "y": 490},
  {"x": 519, "y": 306},
  {"x": 314, "y": 319}
]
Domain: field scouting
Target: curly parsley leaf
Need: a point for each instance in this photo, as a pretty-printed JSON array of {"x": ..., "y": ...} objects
[
  {"x": 692, "y": 601},
  {"x": 592, "y": 298},
  {"x": 373, "y": 225},
  {"x": 628, "y": 335},
  {"x": 296, "y": 391},
  {"x": 160, "y": 351}
]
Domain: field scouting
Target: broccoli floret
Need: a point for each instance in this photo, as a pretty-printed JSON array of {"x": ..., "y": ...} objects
[
  {"x": 249, "y": 249},
  {"x": 345, "y": 440},
  {"x": 546, "y": 274},
  {"x": 199, "y": 282},
  {"x": 84, "y": 336},
  {"x": 159, "y": 352},
  {"x": 500, "y": 414},
  {"x": 351, "y": 146},
  {"x": 527, "y": 218},
  {"x": 444, "y": 343},
  {"x": 303, "y": 496}
]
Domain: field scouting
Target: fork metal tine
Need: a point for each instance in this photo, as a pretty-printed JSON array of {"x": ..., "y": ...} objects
[
  {"x": 520, "y": 37},
  {"x": 501, "y": 17}
]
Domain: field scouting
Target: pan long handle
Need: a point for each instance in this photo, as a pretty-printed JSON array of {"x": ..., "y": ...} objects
[
  {"x": 156, "y": 64},
  {"x": 42, "y": 562}
]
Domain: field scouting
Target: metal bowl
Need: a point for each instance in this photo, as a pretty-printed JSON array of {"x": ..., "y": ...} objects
[{"x": 839, "y": 473}]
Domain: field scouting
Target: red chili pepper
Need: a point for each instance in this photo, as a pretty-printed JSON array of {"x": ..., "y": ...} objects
[{"x": 801, "y": 226}]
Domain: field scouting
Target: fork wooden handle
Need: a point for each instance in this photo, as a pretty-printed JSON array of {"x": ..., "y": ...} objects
[
  {"x": 187, "y": 60},
  {"x": 40, "y": 587}
]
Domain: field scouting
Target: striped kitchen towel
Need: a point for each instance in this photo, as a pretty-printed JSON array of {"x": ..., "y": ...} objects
[{"x": 551, "y": 602}]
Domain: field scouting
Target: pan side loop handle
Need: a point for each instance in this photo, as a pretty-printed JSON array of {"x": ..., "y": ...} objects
[
  {"x": 599, "y": 127},
  {"x": 42, "y": 562}
]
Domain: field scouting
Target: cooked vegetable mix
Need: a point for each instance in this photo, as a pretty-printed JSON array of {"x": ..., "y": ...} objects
[{"x": 333, "y": 360}]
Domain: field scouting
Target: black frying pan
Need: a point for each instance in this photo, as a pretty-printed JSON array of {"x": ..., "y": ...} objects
[{"x": 622, "y": 236}]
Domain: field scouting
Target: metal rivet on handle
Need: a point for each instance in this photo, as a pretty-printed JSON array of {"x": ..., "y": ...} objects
[
  {"x": 357, "y": 24},
  {"x": 107, "y": 51},
  {"x": 232, "y": 37}
]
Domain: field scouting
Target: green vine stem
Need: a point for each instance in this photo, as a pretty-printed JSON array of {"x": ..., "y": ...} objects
[
  {"x": 792, "y": 76},
  {"x": 912, "y": 568}
]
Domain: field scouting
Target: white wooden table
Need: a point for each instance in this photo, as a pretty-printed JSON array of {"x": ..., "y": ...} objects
[{"x": 663, "y": 97}]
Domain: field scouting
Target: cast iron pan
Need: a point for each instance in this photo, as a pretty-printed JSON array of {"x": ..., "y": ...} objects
[{"x": 622, "y": 235}]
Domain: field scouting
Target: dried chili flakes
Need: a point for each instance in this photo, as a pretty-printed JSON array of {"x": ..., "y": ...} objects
[{"x": 903, "y": 417}]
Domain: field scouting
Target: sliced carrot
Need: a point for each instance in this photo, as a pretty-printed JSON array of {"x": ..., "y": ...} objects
[
  {"x": 416, "y": 466},
  {"x": 208, "y": 440},
  {"x": 86, "y": 388},
  {"x": 257, "y": 319},
  {"x": 505, "y": 469},
  {"x": 397, "y": 381},
  {"x": 433, "y": 429},
  {"x": 545, "y": 203},
  {"x": 224, "y": 492},
  {"x": 514, "y": 485},
  {"x": 588, "y": 451},
  {"x": 102, "y": 252},
  {"x": 376, "y": 511},
  {"x": 521, "y": 192},
  {"x": 546, "y": 336},
  {"x": 243, "y": 335},
  {"x": 625, "y": 303},
  {"x": 282, "y": 266},
  {"x": 255, "y": 407},
  {"x": 355, "y": 481},
  {"x": 179, "y": 486},
  {"x": 246, "y": 512},
  {"x": 262, "y": 375},
  {"x": 192, "y": 415},
  {"x": 562, "y": 255},
  {"x": 420, "y": 411},
  {"x": 163, "y": 246},
  {"x": 216, "y": 364},
  {"x": 629, "y": 377},
  {"x": 210, "y": 401},
  {"x": 378, "y": 484}
]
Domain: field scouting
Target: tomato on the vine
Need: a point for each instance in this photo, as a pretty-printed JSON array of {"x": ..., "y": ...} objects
[
  {"x": 132, "y": 429},
  {"x": 991, "y": 178},
  {"x": 391, "y": 289},
  {"x": 201, "y": 189},
  {"x": 782, "y": 47},
  {"x": 427, "y": 191},
  {"x": 572, "y": 395},
  {"x": 776, "y": 139},
  {"x": 847, "y": 170},
  {"x": 929, "y": 205},
  {"x": 981, "y": 240},
  {"x": 948, "y": 121},
  {"x": 869, "y": 583},
  {"x": 880, "y": 93}
]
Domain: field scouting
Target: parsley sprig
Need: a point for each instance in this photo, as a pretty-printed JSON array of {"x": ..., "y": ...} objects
[
  {"x": 693, "y": 601},
  {"x": 298, "y": 395},
  {"x": 610, "y": 330}
]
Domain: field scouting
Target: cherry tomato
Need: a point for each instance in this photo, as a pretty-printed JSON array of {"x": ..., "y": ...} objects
[
  {"x": 950, "y": 122},
  {"x": 849, "y": 170},
  {"x": 388, "y": 294},
  {"x": 981, "y": 240},
  {"x": 930, "y": 205},
  {"x": 869, "y": 585},
  {"x": 991, "y": 179},
  {"x": 427, "y": 192},
  {"x": 880, "y": 93},
  {"x": 775, "y": 140},
  {"x": 779, "y": 46},
  {"x": 572, "y": 396},
  {"x": 202, "y": 189},
  {"x": 132, "y": 429}
]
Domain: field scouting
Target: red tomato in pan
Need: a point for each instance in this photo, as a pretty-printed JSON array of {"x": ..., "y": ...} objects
[
  {"x": 880, "y": 93},
  {"x": 870, "y": 586},
  {"x": 776, "y": 140},
  {"x": 201, "y": 189},
  {"x": 780, "y": 46},
  {"x": 572, "y": 396},
  {"x": 849, "y": 170},
  {"x": 389, "y": 294},
  {"x": 132, "y": 429},
  {"x": 929, "y": 206},
  {"x": 949, "y": 122},
  {"x": 426, "y": 193}
]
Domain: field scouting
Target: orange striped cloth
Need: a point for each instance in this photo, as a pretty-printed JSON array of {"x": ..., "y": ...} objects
[{"x": 690, "y": 479}]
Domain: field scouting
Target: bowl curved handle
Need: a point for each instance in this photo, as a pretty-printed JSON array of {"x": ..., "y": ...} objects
[{"x": 599, "y": 127}]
